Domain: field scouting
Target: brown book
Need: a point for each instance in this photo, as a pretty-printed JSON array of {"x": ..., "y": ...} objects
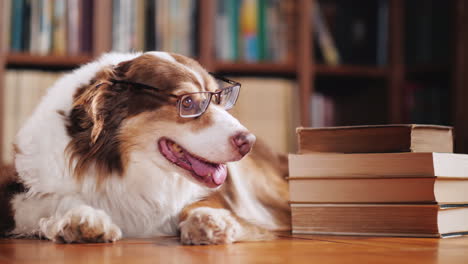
[
  {"x": 376, "y": 139},
  {"x": 382, "y": 220},
  {"x": 375, "y": 165},
  {"x": 379, "y": 190}
]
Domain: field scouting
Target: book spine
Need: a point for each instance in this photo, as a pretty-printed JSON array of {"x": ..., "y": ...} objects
[
  {"x": 72, "y": 27},
  {"x": 382, "y": 32},
  {"x": 324, "y": 37},
  {"x": 249, "y": 34},
  {"x": 150, "y": 29},
  {"x": 25, "y": 41},
  {"x": 261, "y": 20},
  {"x": 86, "y": 25},
  {"x": 45, "y": 31},
  {"x": 7, "y": 12},
  {"x": 234, "y": 30},
  {"x": 59, "y": 28},
  {"x": 17, "y": 25}
]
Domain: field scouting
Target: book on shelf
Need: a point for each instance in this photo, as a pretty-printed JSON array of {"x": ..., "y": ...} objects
[
  {"x": 6, "y": 23},
  {"x": 407, "y": 220},
  {"x": 19, "y": 100},
  {"x": 249, "y": 30},
  {"x": 383, "y": 29},
  {"x": 378, "y": 165},
  {"x": 376, "y": 139},
  {"x": 324, "y": 38},
  {"x": 154, "y": 25},
  {"x": 442, "y": 190},
  {"x": 322, "y": 109},
  {"x": 49, "y": 26},
  {"x": 254, "y": 30}
]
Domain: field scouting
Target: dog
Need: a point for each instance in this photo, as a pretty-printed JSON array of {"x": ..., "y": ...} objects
[{"x": 142, "y": 145}]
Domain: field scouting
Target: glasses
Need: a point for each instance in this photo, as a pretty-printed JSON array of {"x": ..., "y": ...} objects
[{"x": 195, "y": 104}]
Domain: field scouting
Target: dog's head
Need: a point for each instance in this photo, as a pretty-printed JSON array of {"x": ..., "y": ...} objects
[{"x": 159, "y": 108}]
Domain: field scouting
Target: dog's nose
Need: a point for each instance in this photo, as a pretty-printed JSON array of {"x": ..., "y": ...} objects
[{"x": 243, "y": 141}]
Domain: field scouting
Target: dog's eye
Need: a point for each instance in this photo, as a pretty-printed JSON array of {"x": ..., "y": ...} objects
[{"x": 187, "y": 103}]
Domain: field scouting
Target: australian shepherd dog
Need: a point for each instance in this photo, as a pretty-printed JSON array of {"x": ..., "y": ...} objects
[{"x": 142, "y": 145}]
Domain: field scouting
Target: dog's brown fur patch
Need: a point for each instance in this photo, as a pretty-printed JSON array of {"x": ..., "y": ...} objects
[{"x": 9, "y": 186}]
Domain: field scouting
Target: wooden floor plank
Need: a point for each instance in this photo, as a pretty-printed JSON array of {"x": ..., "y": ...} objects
[{"x": 286, "y": 249}]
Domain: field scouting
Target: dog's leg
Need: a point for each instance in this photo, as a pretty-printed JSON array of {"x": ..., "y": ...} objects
[
  {"x": 63, "y": 220},
  {"x": 82, "y": 224},
  {"x": 209, "y": 222}
]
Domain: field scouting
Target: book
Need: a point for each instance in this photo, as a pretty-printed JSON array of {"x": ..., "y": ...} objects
[
  {"x": 59, "y": 27},
  {"x": 16, "y": 26},
  {"x": 382, "y": 220},
  {"x": 440, "y": 190},
  {"x": 325, "y": 39},
  {"x": 376, "y": 139},
  {"x": 249, "y": 30},
  {"x": 375, "y": 165},
  {"x": 6, "y": 21},
  {"x": 382, "y": 32},
  {"x": 45, "y": 29}
]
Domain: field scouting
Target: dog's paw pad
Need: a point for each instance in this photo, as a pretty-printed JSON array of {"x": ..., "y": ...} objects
[
  {"x": 81, "y": 225},
  {"x": 206, "y": 226}
]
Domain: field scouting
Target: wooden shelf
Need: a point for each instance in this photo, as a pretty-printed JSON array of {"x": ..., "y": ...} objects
[
  {"x": 351, "y": 71},
  {"x": 255, "y": 68},
  {"x": 32, "y": 60}
]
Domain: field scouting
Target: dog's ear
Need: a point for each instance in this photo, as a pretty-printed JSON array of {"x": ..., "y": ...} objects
[
  {"x": 96, "y": 110},
  {"x": 98, "y": 103}
]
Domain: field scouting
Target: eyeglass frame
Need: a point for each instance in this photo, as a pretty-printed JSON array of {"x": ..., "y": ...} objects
[{"x": 179, "y": 97}]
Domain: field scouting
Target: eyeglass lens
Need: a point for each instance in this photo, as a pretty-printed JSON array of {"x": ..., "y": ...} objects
[
  {"x": 192, "y": 105},
  {"x": 229, "y": 97}
]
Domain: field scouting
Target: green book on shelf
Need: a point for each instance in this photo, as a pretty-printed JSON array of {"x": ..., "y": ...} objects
[
  {"x": 233, "y": 14},
  {"x": 261, "y": 26},
  {"x": 17, "y": 25}
]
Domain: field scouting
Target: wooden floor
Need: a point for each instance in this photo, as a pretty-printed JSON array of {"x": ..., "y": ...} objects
[{"x": 286, "y": 249}]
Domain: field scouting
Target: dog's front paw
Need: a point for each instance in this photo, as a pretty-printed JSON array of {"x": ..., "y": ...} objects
[
  {"x": 206, "y": 226},
  {"x": 82, "y": 224}
]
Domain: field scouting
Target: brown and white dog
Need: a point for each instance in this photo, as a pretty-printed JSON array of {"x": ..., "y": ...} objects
[{"x": 101, "y": 158}]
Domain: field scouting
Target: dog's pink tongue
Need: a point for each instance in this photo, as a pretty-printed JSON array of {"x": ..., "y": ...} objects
[{"x": 218, "y": 173}]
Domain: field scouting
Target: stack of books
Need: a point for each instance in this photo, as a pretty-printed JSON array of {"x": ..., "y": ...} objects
[{"x": 395, "y": 180}]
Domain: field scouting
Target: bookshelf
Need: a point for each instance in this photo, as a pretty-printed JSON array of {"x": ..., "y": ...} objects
[{"x": 303, "y": 67}]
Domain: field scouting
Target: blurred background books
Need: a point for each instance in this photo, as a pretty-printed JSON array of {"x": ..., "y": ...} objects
[{"x": 314, "y": 62}]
